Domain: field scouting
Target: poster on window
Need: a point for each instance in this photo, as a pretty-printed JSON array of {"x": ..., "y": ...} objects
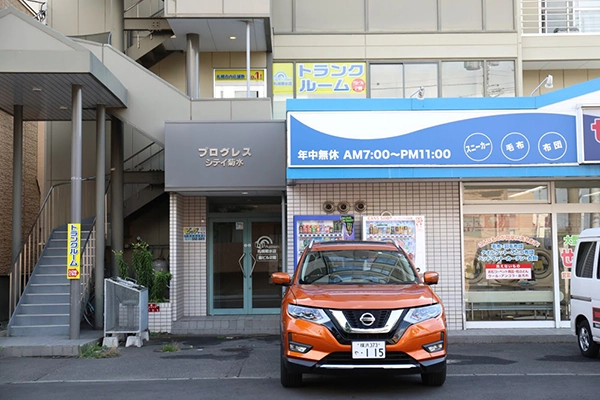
[
  {"x": 508, "y": 271},
  {"x": 406, "y": 230}
]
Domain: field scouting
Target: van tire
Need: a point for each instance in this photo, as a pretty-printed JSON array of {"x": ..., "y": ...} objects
[
  {"x": 289, "y": 379},
  {"x": 434, "y": 378},
  {"x": 585, "y": 340}
]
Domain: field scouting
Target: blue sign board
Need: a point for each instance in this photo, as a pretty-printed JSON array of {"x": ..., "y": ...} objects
[{"x": 521, "y": 138}]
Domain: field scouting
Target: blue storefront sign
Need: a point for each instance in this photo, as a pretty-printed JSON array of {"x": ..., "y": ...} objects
[{"x": 382, "y": 139}]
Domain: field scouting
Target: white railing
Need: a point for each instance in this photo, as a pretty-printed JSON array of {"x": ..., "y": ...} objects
[{"x": 560, "y": 16}]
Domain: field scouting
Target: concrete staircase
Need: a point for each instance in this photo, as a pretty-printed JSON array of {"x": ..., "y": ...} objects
[{"x": 44, "y": 307}]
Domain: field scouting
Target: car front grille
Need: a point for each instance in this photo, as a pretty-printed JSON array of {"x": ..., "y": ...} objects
[{"x": 353, "y": 317}]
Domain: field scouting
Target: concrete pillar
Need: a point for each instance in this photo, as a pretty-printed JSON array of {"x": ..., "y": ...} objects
[
  {"x": 76, "y": 148},
  {"x": 100, "y": 219},
  {"x": 117, "y": 14},
  {"x": 192, "y": 65}
]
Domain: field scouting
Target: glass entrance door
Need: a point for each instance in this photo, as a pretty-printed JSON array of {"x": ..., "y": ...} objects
[{"x": 244, "y": 253}]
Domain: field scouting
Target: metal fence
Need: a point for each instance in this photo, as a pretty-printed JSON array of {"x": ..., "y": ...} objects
[
  {"x": 560, "y": 16},
  {"x": 125, "y": 307}
]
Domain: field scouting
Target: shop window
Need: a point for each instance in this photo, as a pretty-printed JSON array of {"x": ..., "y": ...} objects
[
  {"x": 508, "y": 267},
  {"x": 481, "y": 193},
  {"x": 578, "y": 192},
  {"x": 569, "y": 226},
  {"x": 402, "y": 80},
  {"x": 478, "y": 78}
]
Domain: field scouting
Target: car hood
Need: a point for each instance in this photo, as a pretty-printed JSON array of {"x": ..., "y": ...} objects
[{"x": 364, "y": 296}]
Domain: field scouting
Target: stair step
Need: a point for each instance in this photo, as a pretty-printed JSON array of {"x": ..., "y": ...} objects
[
  {"x": 55, "y": 288},
  {"x": 39, "y": 330},
  {"x": 46, "y": 278},
  {"x": 40, "y": 319},
  {"x": 52, "y": 270},
  {"x": 46, "y": 298},
  {"x": 55, "y": 308}
]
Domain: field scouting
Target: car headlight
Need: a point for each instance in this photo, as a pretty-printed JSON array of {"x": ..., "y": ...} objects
[
  {"x": 420, "y": 314},
  {"x": 315, "y": 315}
]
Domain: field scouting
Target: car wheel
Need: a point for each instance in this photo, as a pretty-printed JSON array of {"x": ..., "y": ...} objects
[
  {"x": 434, "y": 378},
  {"x": 587, "y": 346},
  {"x": 289, "y": 379}
]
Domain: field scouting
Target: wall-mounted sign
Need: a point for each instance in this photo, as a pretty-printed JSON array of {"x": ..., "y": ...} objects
[
  {"x": 421, "y": 138},
  {"x": 327, "y": 79},
  {"x": 224, "y": 156},
  {"x": 283, "y": 79},
  {"x": 73, "y": 251},
  {"x": 229, "y": 75},
  {"x": 588, "y": 132},
  {"x": 194, "y": 234},
  {"x": 209, "y": 156}
]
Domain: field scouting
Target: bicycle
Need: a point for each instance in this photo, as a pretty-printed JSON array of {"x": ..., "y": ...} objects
[{"x": 89, "y": 311}]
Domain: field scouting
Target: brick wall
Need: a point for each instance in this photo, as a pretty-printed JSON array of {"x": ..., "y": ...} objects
[{"x": 31, "y": 193}]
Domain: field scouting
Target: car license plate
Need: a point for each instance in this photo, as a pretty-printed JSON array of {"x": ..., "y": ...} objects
[{"x": 368, "y": 349}]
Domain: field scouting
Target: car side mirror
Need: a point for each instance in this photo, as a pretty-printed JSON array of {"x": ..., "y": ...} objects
[
  {"x": 281, "y": 278},
  {"x": 431, "y": 278}
]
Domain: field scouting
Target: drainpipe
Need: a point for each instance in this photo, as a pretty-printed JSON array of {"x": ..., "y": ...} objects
[
  {"x": 76, "y": 147},
  {"x": 248, "y": 59},
  {"x": 117, "y": 151},
  {"x": 192, "y": 65},
  {"x": 100, "y": 190},
  {"x": 17, "y": 208}
]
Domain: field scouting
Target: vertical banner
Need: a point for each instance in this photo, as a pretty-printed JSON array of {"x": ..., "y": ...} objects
[{"x": 73, "y": 251}]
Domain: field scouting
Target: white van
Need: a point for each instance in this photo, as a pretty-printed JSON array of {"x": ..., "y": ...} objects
[{"x": 585, "y": 292}]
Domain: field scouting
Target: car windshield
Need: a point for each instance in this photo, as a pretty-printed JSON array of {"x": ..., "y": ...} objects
[{"x": 356, "y": 267}]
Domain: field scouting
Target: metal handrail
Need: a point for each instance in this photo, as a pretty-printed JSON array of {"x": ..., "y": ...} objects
[
  {"x": 148, "y": 159},
  {"x": 551, "y": 17},
  {"x": 33, "y": 245}
]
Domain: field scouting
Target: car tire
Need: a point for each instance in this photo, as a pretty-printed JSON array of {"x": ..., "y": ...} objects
[
  {"x": 585, "y": 340},
  {"x": 434, "y": 378},
  {"x": 289, "y": 379}
]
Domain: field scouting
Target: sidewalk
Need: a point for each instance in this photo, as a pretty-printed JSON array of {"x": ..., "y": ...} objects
[{"x": 64, "y": 347}]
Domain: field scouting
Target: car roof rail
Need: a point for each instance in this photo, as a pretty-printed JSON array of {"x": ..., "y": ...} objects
[{"x": 391, "y": 240}]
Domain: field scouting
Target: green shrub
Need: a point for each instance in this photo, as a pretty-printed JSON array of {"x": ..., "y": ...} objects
[{"x": 141, "y": 260}]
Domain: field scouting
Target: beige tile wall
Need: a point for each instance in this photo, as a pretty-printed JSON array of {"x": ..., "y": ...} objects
[
  {"x": 439, "y": 202},
  {"x": 188, "y": 263}
]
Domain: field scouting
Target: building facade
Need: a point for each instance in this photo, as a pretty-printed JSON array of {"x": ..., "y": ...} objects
[{"x": 223, "y": 95}]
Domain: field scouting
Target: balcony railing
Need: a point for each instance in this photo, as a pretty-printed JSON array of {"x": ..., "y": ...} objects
[{"x": 560, "y": 16}]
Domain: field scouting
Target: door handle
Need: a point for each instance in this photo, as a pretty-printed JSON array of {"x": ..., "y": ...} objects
[
  {"x": 241, "y": 265},
  {"x": 253, "y": 264}
]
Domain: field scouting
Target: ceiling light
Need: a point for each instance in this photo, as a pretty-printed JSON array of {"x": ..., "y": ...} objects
[
  {"x": 62, "y": 108},
  {"x": 232, "y": 37},
  {"x": 36, "y": 89}
]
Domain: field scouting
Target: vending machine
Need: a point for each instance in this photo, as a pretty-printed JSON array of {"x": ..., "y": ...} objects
[
  {"x": 320, "y": 228},
  {"x": 407, "y": 231}
]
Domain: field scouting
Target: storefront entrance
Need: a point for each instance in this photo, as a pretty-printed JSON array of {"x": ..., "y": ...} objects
[{"x": 243, "y": 253}]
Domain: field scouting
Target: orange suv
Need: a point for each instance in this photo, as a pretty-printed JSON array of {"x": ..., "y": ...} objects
[{"x": 360, "y": 306}]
